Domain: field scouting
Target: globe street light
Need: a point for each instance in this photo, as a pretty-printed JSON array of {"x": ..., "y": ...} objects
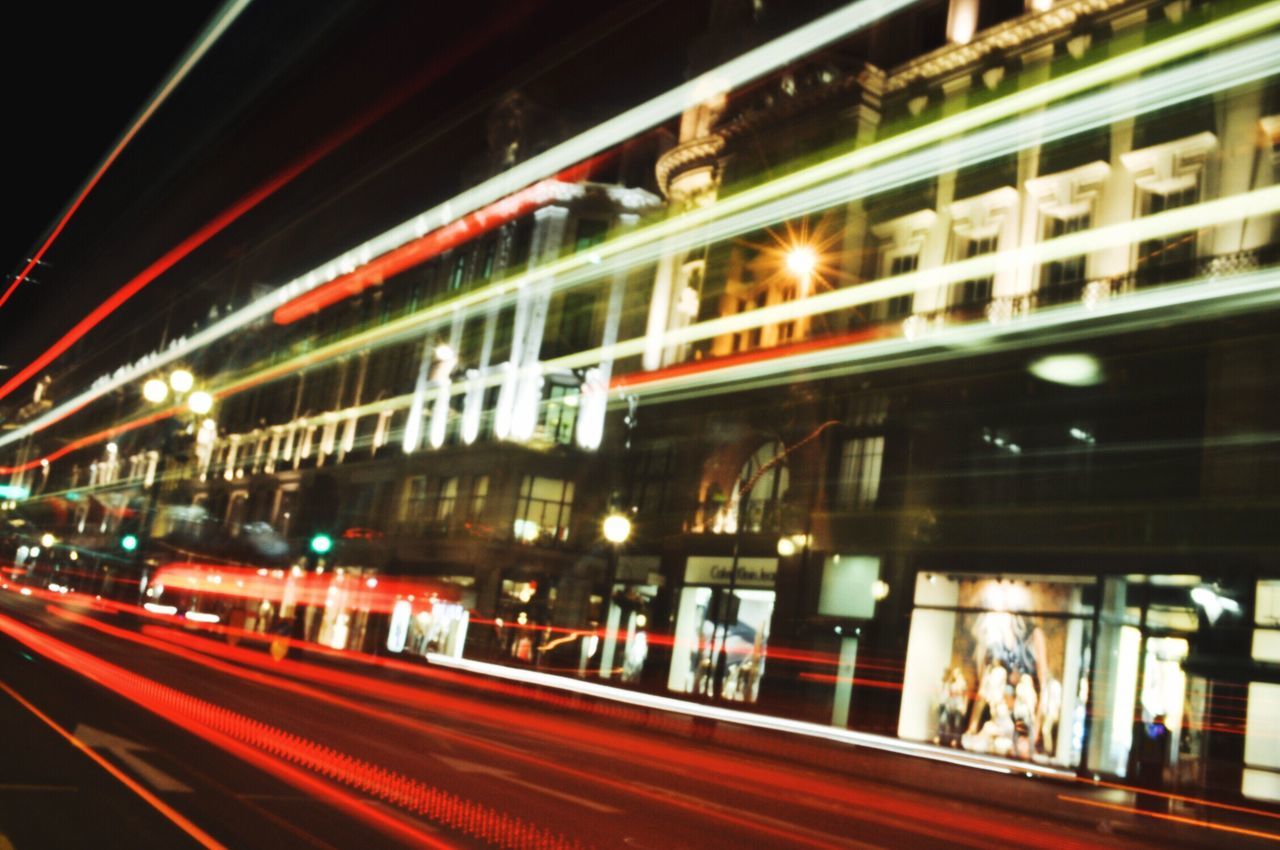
[
  {"x": 155, "y": 390},
  {"x": 801, "y": 261},
  {"x": 181, "y": 380},
  {"x": 200, "y": 402},
  {"x": 617, "y": 528}
]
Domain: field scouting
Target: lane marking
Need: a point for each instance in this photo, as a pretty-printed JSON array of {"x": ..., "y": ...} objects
[
  {"x": 465, "y": 766},
  {"x": 124, "y": 749},
  {"x": 203, "y": 838}
]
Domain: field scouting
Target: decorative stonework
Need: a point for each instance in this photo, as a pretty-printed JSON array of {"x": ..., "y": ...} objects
[
  {"x": 695, "y": 154},
  {"x": 1011, "y": 34},
  {"x": 1170, "y": 167}
]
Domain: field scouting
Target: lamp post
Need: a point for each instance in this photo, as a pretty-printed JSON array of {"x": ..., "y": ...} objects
[
  {"x": 191, "y": 401},
  {"x": 617, "y": 530},
  {"x": 744, "y": 491}
]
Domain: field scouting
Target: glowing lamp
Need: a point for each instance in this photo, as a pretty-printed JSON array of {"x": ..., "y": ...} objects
[
  {"x": 181, "y": 380},
  {"x": 155, "y": 390},
  {"x": 321, "y": 544},
  {"x": 802, "y": 260},
  {"x": 617, "y": 528},
  {"x": 129, "y": 542},
  {"x": 200, "y": 402},
  {"x": 786, "y": 547},
  {"x": 47, "y": 540}
]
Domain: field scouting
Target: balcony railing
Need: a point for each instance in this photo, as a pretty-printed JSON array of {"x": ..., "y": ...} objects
[{"x": 1098, "y": 289}]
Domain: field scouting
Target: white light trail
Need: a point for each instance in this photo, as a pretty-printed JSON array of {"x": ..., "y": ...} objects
[
  {"x": 782, "y": 198},
  {"x": 741, "y": 718},
  {"x": 733, "y": 74}
]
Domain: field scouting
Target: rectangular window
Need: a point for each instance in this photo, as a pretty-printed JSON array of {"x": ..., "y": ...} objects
[
  {"x": 413, "y": 500},
  {"x": 860, "y": 461},
  {"x": 458, "y": 273},
  {"x": 479, "y": 495},
  {"x": 560, "y": 414},
  {"x": 1171, "y": 257},
  {"x": 976, "y": 292},
  {"x": 446, "y": 499},
  {"x": 1061, "y": 280},
  {"x": 542, "y": 512},
  {"x": 487, "y": 259},
  {"x": 901, "y": 306}
]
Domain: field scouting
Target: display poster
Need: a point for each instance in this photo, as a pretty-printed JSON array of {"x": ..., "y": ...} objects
[{"x": 1002, "y": 693}]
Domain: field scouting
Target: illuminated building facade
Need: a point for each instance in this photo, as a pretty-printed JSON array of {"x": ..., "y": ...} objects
[{"x": 956, "y": 432}]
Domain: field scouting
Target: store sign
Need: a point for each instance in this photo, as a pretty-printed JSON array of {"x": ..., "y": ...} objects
[{"x": 751, "y": 572}]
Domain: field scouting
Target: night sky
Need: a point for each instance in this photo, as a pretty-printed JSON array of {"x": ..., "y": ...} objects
[{"x": 287, "y": 75}]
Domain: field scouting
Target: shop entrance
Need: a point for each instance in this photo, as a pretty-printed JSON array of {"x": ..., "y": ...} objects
[
  {"x": 722, "y": 627},
  {"x": 1148, "y": 713}
]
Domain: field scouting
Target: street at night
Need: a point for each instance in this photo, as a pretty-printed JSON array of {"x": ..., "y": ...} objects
[{"x": 660, "y": 424}]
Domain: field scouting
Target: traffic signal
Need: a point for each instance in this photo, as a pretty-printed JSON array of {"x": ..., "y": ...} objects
[
  {"x": 129, "y": 542},
  {"x": 321, "y": 544}
]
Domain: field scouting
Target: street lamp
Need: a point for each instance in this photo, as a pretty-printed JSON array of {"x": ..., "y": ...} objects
[
  {"x": 801, "y": 261},
  {"x": 200, "y": 402},
  {"x": 155, "y": 390},
  {"x": 181, "y": 380},
  {"x": 617, "y": 528}
]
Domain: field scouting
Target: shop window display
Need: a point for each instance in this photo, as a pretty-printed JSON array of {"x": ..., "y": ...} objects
[
  {"x": 626, "y": 637},
  {"x": 712, "y": 621},
  {"x": 998, "y": 666}
]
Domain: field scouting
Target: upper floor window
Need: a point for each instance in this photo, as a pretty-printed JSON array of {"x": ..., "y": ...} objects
[
  {"x": 1171, "y": 257},
  {"x": 413, "y": 499},
  {"x": 901, "y": 305},
  {"x": 976, "y": 291},
  {"x": 560, "y": 414},
  {"x": 542, "y": 510},
  {"x": 446, "y": 498},
  {"x": 860, "y": 462},
  {"x": 458, "y": 272},
  {"x": 479, "y": 497},
  {"x": 1060, "y": 280}
]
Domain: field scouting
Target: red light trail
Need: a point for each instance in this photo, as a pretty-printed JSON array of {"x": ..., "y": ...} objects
[
  {"x": 431, "y": 244},
  {"x": 440, "y": 66}
]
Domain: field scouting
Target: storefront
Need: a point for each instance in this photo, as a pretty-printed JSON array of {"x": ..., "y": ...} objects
[
  {"x": 624, "y": 649},
  {"x": 722, "y": 627},
  {"x": 999, "y": 665}
]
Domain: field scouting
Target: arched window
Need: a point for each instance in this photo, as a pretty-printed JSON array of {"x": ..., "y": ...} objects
[{"x": 762, "y": 509}]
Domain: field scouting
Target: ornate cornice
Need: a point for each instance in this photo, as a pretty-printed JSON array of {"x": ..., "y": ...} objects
[
  {"x": 1011, "y": 34},
  {"x": 697, "y": 153}
]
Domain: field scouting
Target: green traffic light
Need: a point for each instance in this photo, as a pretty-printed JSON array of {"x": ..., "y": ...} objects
[
  {"x": 321, "y": 544},
  {"x": 129, "y": 542}
]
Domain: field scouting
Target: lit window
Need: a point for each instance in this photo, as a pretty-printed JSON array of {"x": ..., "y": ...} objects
[
  {"x": 860, "y": 462},
  {"x": 542, "y": 513},
  {"x": 977, "y": 291},
  {"x": 1060, "y": 280},
  {"x": 446, "y": 498}
]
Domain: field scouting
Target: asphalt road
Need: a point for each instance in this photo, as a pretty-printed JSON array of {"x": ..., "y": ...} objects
[{"x": 259, "y": 753}]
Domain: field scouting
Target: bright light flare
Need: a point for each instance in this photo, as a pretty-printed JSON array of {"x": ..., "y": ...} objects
[
  {"x": 155, "y": 390},
  {"x": 617, "y": 528},
  {"x": 200, "y": 402},
  {"x": 181, "y": 380},
  {"x": 802, "y": 260}
]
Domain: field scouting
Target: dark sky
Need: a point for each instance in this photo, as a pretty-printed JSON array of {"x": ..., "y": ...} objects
[
  {"x": 75, "y": 75},
  {"x": 288, "y": 74}
]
